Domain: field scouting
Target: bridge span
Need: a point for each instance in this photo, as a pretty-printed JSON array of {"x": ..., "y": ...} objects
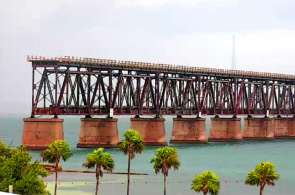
[{"x": 87, "y": 86}]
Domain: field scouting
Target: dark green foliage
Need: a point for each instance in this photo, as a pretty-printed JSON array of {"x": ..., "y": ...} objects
[{"x": 17, "y": 170}]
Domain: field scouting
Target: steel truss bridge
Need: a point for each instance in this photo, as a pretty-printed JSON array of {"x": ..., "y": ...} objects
[{"x": 88, "y": 86}]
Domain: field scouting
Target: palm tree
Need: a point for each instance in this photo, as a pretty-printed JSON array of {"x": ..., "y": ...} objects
[
  {"x": 264, "y": 173},
  {"x": 131, "y": 145},
  {"x": 206, "y": 182},
  {"x": 56, "y": 150},
  {"x": 166, "y": 157},
  {"x": 99, "y": 160}
]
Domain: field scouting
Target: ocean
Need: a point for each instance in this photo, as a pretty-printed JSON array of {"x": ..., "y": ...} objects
[{"x": 230, "y": 161}]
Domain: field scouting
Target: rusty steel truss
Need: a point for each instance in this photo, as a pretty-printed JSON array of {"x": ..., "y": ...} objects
[{"x": 87, "y": 86}]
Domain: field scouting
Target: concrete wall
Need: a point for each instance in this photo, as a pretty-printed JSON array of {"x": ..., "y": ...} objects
[
  {"x": 98, "y": 132},
  {"x": 225, "y": 129},
  {"x": 39, "y": 132},
  {"x": 188, "y": 130},
  {"x": 258, "y": 128},
  {"x": 152, "y": 130}
]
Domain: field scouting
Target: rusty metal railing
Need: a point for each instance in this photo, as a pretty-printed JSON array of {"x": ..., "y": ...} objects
[{"x": 157, "y": 66}]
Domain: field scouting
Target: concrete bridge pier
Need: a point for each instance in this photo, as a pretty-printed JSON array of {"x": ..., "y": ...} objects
[
  {"x": 152, "y": 130},
  {"x": 188, "y": 130},
  {"x": 225, "y": 129},
  {"x": 284, "y": 127},
  {"x": 39, "y": 132},
  {"x": 258, "y": 129},
  {"x": 98, "y": 132}
]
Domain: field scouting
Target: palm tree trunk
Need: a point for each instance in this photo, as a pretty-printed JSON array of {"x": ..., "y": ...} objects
[
  {"x": 164, "y": 184},
  {"x": 96, "y": 188},
  {"x": 261, "y": 188},
  {"x": 56, "y": 170},
  {"x": 97, "y": 179},
  {"x": 128, "y": 175}
]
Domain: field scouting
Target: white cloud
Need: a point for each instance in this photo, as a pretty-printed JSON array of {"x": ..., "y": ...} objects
[
  {"x": 25, "y": 15},
  {"x": 102, "y": 29},
  {"x": 157, "y": 3},
  {"x": 266, "y": 51},
  {"x": 152, "y": 3}
]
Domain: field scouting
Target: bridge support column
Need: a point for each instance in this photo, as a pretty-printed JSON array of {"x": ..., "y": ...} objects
[
  {"x": 284, "y": 127},
  {"x": 188, "y": 131},
  {"x": 39, "y": 132},
  {"x": 152, "y": 130},
  {"x": 98, "y": 132},
  {"x": 258, "y": 128},
  {"x": 225, "y": 129}
]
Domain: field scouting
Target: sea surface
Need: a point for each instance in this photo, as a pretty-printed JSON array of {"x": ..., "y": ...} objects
[{"x": 230, "y": 161}]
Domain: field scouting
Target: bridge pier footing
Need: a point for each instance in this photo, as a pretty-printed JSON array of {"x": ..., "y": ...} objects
[
  {"x": 258, "y": 129},
  {"x": 188, "y": 131},
  {"x": 38, "y": 133},
  {"x": 284, "y": 128},
  {"x": 152, "y": 130},
  {"x": 98, "y": 132},
  {"x": 225, "y": 130}
]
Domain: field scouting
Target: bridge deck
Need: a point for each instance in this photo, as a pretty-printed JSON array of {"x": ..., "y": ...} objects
[{"x": 160, "y": 67}]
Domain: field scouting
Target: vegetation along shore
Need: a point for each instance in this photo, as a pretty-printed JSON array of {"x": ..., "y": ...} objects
[{"x": 17, "y": 168}]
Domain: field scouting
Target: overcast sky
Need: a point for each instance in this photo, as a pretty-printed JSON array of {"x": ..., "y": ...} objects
[{"x": 188, "y": 32}]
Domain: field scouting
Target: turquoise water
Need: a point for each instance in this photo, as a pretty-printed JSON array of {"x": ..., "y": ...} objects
[{"x": 231, "y": 161}]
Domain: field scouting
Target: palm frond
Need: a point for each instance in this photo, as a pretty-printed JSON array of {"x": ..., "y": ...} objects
[
  {"x": 206, "y": 181},
  {"x": 264, "y": 171},
  {"x": 99, "y": 158},
  {"x": 56, "y": 150},
  {"x": 123, "y": 146},
  {"x": 132, "y": 143},
  {"x": 107, "y": 162},
  {"x": 252, "y": 178},
  {"x": 166, "y": 157}
]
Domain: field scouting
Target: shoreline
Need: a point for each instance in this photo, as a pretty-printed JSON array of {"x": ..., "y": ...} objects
[{"x": 89, "y": 171}]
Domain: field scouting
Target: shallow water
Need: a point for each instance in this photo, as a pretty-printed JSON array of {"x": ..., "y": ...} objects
[{"x": 231, "y": 161}]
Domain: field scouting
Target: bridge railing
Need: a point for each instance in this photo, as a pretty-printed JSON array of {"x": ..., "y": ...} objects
[{"x": 155, "y": 66}]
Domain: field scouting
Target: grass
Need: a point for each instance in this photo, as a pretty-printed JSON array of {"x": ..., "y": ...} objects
[{"x": 69, "y": 188}]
